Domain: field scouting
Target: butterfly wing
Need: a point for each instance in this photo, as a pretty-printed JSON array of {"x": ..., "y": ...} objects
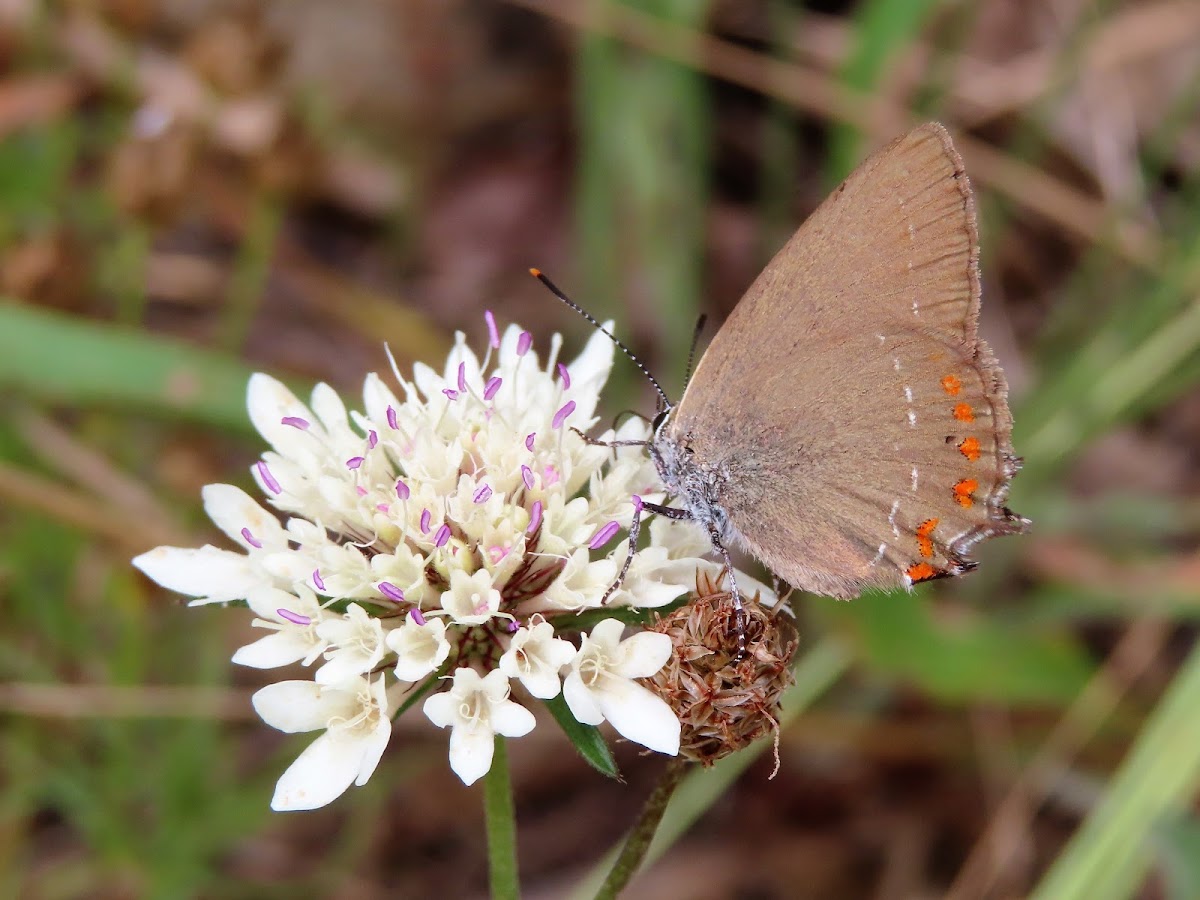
[{"x": 857, "y": 427}]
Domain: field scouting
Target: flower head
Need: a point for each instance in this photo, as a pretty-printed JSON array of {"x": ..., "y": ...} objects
[
  {"x": 357, "y": 727},
  {"x": 454, "y": 527},
  {"x": 356, "y": 645},
  {"x": 472, "y": 599},
  {"x": 420, "y": 646},
  {"x": 476, "y": 710},
  {"x": 535, "y": 657},
  {"x": 601, "y": 685}
]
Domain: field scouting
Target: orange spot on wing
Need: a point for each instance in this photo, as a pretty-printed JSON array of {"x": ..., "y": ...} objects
[
  {"x": 963, "y": 412},
  {"x": 963, "y": 491},
  {"x": 921, "y": 572},
  {"x": 924, "y": 541},
  {"x": 951, "y": 385},
  {"x": 970, "y": 448}
]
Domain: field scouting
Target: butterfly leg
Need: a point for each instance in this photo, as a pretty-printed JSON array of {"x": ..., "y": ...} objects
[
  {"x": 635, "y": 528},
  {"x": 591, "y": 441},
  {"x": 739, "y": 611}
]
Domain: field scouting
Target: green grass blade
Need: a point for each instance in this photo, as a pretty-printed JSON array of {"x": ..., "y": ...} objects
[
  {"x": 882, "y": 29},
  {"x": 61, "y": 359},
  {"x": 1109, "y": 855}
]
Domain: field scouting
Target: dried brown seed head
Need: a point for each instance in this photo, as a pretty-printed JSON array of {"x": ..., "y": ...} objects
[{"x": 724, "y": 703}]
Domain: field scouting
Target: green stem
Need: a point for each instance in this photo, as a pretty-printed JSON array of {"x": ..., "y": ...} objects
[
  {"x": 501, "y": 826},
  {"x": 638, "y": 842}
]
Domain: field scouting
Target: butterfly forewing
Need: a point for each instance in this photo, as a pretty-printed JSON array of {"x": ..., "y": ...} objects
[{"x": 871, "y": 441}]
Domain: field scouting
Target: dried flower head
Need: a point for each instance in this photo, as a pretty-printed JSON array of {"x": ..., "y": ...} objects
[
  {"x": 442, "y": 538},
  {"x": 724, "y": 703}
]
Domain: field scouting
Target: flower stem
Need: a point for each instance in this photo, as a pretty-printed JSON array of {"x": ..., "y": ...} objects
[
  {"x": 638, "y": 842},
  {"x": 501, "y": 827}
]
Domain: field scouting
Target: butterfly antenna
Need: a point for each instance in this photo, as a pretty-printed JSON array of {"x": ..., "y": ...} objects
[
  {"x": 687, "y": 376},
  {"x": 554, "y": 289}
]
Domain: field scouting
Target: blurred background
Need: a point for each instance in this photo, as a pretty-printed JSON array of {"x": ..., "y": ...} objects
[{"x": 191, "y": 190}]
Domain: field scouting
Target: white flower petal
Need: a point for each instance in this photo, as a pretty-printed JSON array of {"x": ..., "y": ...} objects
[
  {"x": 321, "y": 774},
  {"x": 293, "y": 706},
  {"x": 681, "y": 538},
  {"x": 279, "y": 649},
  {"x": 643, "y": 654},
  {"x": 608, "y": 632},
  {"x": 441, "y": 709},
  {"x": 339, "y": 669},
  {"x": 209, "y": 574},
  {"x": 579, "y": 699},
  {"x": 471, "y": 753},
  {"x": 373, "y": 746},
  {"x": 269, "y": 402},
  {"x": 640, "y": 716},
  {"x": 267, "y": 601},
  {"x": 232, "y": 510},
  {"x": 544, "y": 684},
  {"x": 512, "y": 719},
  {"x": 329, "y": 408}
]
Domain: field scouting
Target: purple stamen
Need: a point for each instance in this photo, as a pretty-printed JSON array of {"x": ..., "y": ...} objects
[
  {"x": 402, "y": 490},
  {"x": 318, "y": 580},
  {"x": 355, "y": 461},
  {"x": 442, "y": 536},
  {"x": 482, "y": 494},
  {"x": 390, "y": 591},
  {"x": 425, "y": 517},
  {"x": 637, "y": 504},
  {"x": 393, "y": 421},
  {"x": 251, "y": 539},
  {"x": 294, "y": 618},
  {"x": 268, "y": 479},
  {"x": 493, "y": 334},
  {"x": 529, "y": 440},
  {"x": 565, "y": 375},
  {"x": 415, "y": 615},
  {"x": 295, "y": 422},
  {"x": 603, "y": 536},
  {"x": 382, "y": 507},
  {"x": 452, "y": 394},
  {"x": 513, "y": 627},
  {"x": 361, "y": 491},
  {"x": 524, "y": 342},
  {"x": 372, "y": 439},
  {"x": 535, "y": 517},
  {"x": 527, "y": 476},
  {"x": 561, "y": 415},
  {"x": 493, "y": 385},
  {"x": 550, "y": 476},
  {"x": 462, "y": 377}
]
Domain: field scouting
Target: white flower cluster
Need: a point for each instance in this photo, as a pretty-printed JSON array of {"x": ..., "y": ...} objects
[{"x": 445, "y": 533}]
